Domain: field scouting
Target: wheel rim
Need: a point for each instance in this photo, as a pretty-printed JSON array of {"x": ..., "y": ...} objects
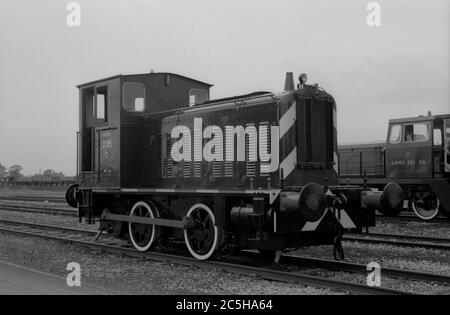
[
  {"x": 201, "y": 241},
  {"x": 142, "y": 235},
  {"x": 425, "y": 205}
]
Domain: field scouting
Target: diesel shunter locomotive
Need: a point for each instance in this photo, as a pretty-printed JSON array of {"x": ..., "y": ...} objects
[
  {"x": 416, "y": 155},
  {"x": 160, "y": 162}
]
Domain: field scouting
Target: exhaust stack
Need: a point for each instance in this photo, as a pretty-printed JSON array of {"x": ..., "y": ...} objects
[{"x": 289, "y": 82}]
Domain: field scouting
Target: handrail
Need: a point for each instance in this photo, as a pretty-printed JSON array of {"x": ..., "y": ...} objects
[{"x": 353, "y": 163}]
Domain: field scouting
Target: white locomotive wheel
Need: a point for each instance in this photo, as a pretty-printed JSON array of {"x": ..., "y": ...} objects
[
  {"x": 425, "y": 205},
  {"x": 202, "y": 241},
  {"x": 142, "y": 236}
]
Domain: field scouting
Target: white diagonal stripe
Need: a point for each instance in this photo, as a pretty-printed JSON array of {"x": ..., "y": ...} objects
[
  {"x": 288, "y": 119},
  {"x": 336, "y": 163},
  {"x": 346, "y": 221},
  {"x": 312, "y": 226},
  {"x": 289, "y": 163}
]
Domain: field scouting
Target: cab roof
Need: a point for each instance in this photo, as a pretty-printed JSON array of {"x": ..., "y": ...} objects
[
  {"x": 143, "y": 75},
  {"x": 417, "y": 119}
]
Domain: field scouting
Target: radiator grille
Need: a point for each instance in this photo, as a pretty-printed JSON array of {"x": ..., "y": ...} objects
[
  {"x": 250, "y": 150},
  {"x": 159, "y": 156},
  {"x": 169, "y": 161},
  {"x": 264, "y": 148}
]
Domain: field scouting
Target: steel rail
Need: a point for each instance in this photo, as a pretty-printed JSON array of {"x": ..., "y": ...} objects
[
  {"x": 265, "y": 273},
  {"x": 34, "y": 198},
  {"x": 360, "y": 268},
  {"x": 31, "y": 206},
  {"x": 411, "y": 218},
  {"x": 40, "y": 210},
  {"x": 400, "y": 240},
  {"x": 291, "y": 259},
  {"x": 48, "y": 227},
  {"x": 410, "y": 237}
]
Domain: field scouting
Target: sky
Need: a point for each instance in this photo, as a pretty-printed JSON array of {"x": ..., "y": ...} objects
[{"x": 399, "y": 69}]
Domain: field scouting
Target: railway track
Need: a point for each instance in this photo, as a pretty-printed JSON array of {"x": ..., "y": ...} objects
[
  {"x": 405, "y": 217},
  {"x": 412, "y": 218},
  {"x": 40, "y": 210},
  {"x": 373, "y": 238},
  {"x": 33, "y": 198},
  {"x": 359, "y": 268},
  {"x": 400, "y": 240},
  {"x": 108, "y": 244}
]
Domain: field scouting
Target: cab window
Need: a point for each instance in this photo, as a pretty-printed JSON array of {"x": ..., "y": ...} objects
[
  {"x": 101, "y": 104},
  {"x": 447, "y": 145},
  {"x": 437, "y": 137},
  {"x": 396, "y": 134},
  {"x": 198, "y": 96},
  {"x": 134, "y": 97},
  {"x": 416, "y": 132}
]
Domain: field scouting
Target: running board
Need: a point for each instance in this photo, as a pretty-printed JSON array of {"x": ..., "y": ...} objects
[{"x": 184, "y": 224}]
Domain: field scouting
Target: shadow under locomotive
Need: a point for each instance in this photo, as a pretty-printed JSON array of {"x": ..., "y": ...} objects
[{"x": 157, "y": 160}]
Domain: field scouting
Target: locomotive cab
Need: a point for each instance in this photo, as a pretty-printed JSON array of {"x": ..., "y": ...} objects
[
  {"x": 111, "y": 111},
  {"x": 98, "y": 136},
  {"x": 418, "y": 147},
  {"x": 111, "y": 108}
]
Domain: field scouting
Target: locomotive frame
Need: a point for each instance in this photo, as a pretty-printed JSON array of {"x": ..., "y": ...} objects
[{"x": 158, "y": 160}]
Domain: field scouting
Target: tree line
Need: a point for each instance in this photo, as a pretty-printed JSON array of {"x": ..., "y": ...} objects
[{"x": 14, "y": 174}]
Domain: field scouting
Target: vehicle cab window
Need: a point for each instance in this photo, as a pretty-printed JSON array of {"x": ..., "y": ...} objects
[
  {"x": 396, "y": 134},
  {"x": 198, "y": 96},
  {"x": 416, "y": 132},
  {"x": 447, "y": 144},
  {"x": 437, "y": 137},
  {"x": 134, "y": 97},
  {"x": 101, "y": 105}
]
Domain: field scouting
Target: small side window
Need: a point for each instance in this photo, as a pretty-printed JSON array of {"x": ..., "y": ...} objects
[
  {"x": 134, "y": 97},
  {"x": 447, "y": 144},
  {"x": 437, "y": 137},
  {"x": 416, "y": 133},
  {"x": 101, "y": 104},
  {"x": 396, "y": 134},
  {"x": 409, "y": 133},
  {"x": 198, "y": 96}
]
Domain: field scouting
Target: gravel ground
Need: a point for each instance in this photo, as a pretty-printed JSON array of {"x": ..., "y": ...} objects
[
  {"x": 403, "y": 285},
  {"x": 388, "y": 256},
  {"x": 133, "y": 276},
  {"x": 429, "y": 229},
  {"x": 431, "y": 261}
]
